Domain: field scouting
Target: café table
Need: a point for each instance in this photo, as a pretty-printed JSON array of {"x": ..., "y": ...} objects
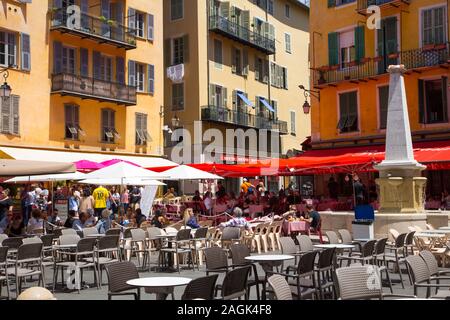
[
  {"x": 268, "y": 262},
  {"x": 162, "y": 286}
]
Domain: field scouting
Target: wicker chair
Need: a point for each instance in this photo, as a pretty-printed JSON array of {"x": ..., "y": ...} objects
[
  {"x": 305, "y": 244},
  {"x": 199, "y": 242},
  {"x": 433, "y": 266},
  {"x": 3, "y": 237},
  {"x": 230, "y": 235},
  {"x": 68, "y": 231},
  {"x": 107, "y": 251},
  {"x": 138, "y": 246},
  {"x": 118, "y": 275},
  {"x": 216, "y": 260},
  {"x": 182, "y": 246},
  {"x": 280, "y": 287},
  {"x": 289, "y": 247},
  {"x": 113, "y": 232},
  {"x": 3, "y": 271},
  {"x": 379, "y": 259},
  {"x": 363, "y": 257},
  {"x": 201, "y": 288},
  {"x": 89, "y": 231},
  {"x": 398, "y": 255},
  {"x": 234, "y": 284},
  {"x": 421, "y": 277},
  {"x": 332, "y": 237},
  {"x": 324, "y": 270},
  {"x": 409, "y": 243},
  {"x": 13, "y": 244},
  {"x": 347, "y": 238}
]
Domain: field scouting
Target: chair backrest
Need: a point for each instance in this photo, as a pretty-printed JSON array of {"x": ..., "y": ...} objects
[
  {"x": 113, "y": 232},
  {"x": 380, "y": 246},
  {"x": 89, "y": 231},
  {"x": 394, "y": 233},
  {"x": 288, "y": 245},
  {"x": 345, "y": 236},
  {"x": 171, "y": 230},
  {"x": 184, "y": 234},
  {"x": 238, "y": 254},
  {"x": 368, "y": 248},
  {"x": 306, "y": 263},
  {"x": 68, "y": 231},
  {"x": 47, "y": 240},
  {"x": 3, "y": 237},
  {"x": 352, "y": 282},
  {"x": 201, "y": 233},
  {"x": 108, "y": 242},
  {"x": 215, "y": 258},
  {"x": 431, "y": 262},
  {"x": 29, "y": 251},
  {"x": 332, "y": 237},
  {"x": 118, "y": 275},
  {"x": 409, "y": 239},
  {"x": 137, "y": 234},
  {"x": 66, "y": 239},
  {"x": 201, "y": 288},
  {"x": 418, "y": 269},
  {"x": 235, "y": 283},
  {"x": 400, "y": 241},
  {"x": 12, "y": 243},
  {"x": 305, "y": 243},
  {"x": 326, "y": 258},
  {"x": 31, "y": 240},
  {"x": 127, "y": 233},
  {"x": 231, "y": 233},
  {"x": 418, "y": 229},
  {"x": 280, "y": 287},
  {"x": 86, "y": 245},
  {"x": 153, "y": 232},
  {"x": 3, "y": 254}
]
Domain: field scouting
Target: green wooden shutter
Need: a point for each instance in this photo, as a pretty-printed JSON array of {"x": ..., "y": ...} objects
[
  {"x": 333, "y": 48},
  {"x": 6, "y": 115},
  {"x": 185, "y": 49},
  {"x": 421, "y": 101},
  {"x": 331, "y": 3},
  {"x": 383, "y": 100},
  {"x": 26, "y": 54},
  {"x": 359, "y": 43},
  {"x": 391, "y": 39},
  {"x": 224, "y": 97},
  {"x": 225, "y": 9},
  {"x": 212, "y": 95},
  {"x": 444, "y": 97}
]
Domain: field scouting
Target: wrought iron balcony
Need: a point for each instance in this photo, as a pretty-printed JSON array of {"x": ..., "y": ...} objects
[
  {"x": 367, "y": 68},
  {"x": 364, "y": 4},
  {"x": 242, "y": 119},
  {"x": 229, "y": 29},
  {"x": 95, "y": 28},
  {"x": 90, "y": 88}
]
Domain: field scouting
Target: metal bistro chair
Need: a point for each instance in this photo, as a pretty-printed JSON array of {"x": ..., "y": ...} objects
[
  {"x": 230, "y": 235},
  {"x": 363, "y": 257},
  {"x": 199, "y": 242},
  {"x": 289, "y": 247},
  {"x": 398, "y": 256},
  {"x": 280, "y": 287},
  {"x": 305, "y": 244},
  {"x": 234, "y": 284},
  {"x": 409, "y": 243},
  {"x": 3, "y": 272},
  {"x": 379, "y": 259},
  {"x": 13, "y": 244},
  {"x": 182, "y": 246},
  {"x": 107, "y": 247},
  {"x": 118, "y": 275},
  {"x": 324, "y": 270},
  {"x": 201, "y": 288},
  {"x": 332, "y": 237}
]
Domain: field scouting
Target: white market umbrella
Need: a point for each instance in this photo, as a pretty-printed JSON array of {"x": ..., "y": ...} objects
[
  {"x": 124, "y": 182},
  {"x": 122, "y": 171},
  {"x": 49, "y": 178},
  {"x": 12, "y": 168},
  {"x": 184, "y": 172}
]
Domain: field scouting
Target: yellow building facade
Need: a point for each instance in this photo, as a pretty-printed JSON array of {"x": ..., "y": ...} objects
[
  {"x": 237, "y": 65},
  {"x": 351, "y": 49},
  {"x": 86, "y": 75}
]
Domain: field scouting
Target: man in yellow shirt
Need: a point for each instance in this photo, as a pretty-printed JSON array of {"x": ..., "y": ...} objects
[
  {"x": 245, "y": 186},
  {"x": 100, "y": 196}
]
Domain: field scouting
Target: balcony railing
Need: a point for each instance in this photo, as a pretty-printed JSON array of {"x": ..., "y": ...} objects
[
  {"x": 430, "y": 56},
  {"x": 239, "y": 33},
  {"x": 242, "y": 119},
  {"x": 98, "y": 29},
  {"x": 90, "y": 88},
  {"x": 364, "y": 4}
]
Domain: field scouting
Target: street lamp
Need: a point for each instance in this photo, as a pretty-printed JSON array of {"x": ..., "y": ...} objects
[
  {"x": 5, "y": 88},
  {"x": 175, "y": 121},
  {"x": 307, "y": 93}
]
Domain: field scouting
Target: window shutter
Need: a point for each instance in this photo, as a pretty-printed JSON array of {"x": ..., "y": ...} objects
[
  {"x": 84, "y": 8},
  {"x": 150, "y": 27},
  {"x": 257, "y": 68},
  {"x": 97, "y": 65},
  {"x": 445, "y": 98},
  {"x": 6, "y": 115},
  {"x": 168, "y": 52},
  {"x": 112, "y": 119},
  {"x": 26, "y": 56},
  {"x": 131, "y": 73},
  {"x": 271, "y": 32},
  {"x": 383, "y": 100},
  {"x": 234, "y": 100},
  {"x": 421, "y": 101},
  {"x": 105, "y": 13},
  {"x": 266, "y": 71},
  {"x": 287, "y": 38},
  {"x": 138, "y": 129},
  {"x": 359, "y": 43},
  {"x": 76, "y": 115},
  {"x": 225, "y": 9},
  {"x": 145, "y": 128},
  {"x": 233, "y": 60},
  {"x": 151, "y": 78},
  {"x": 15, "y": 114},
  {"x": 185, "y": 49},
  {"x": 439, "y": 26},
  {"x": 57, "y": 57},
  {"x": 120, "y": 70},
  {"x": 84, "y": 62},
  {"x": 293, "y": 129},
  {"x": 131, "y": 19},
  {"x": 245, "y": 65},
  {"x": 285, "y": 78},
  {"x": 333, "y": 48},
  {"x": 212, "y": 95},
  {"x": 224, "y": 97},
  {"x": 246, "y": 20},
  {"x": 331, "y": 3},
  {"x": 119, "y": 18},
  {"x": 68, "y": 114}
]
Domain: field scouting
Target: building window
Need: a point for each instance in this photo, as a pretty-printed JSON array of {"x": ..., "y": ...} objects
[
  {"x": 236, "y": 66},
  {"x": 9, "y": 122},
  {"x": 218, "y": 96},
  {"x": 278, "y": 76},
  {"x": 287, "y": 10},
  {"x": 293, "y": 122},
  {"x": 106, "y": 69},
  {"x": 139, "y": 19},
  {"x": 142, "y": 136},
  {"x": 383, "y": 102},
  {"x": 348, "y": 111},
  {"x": 72, "y": 122},
  {"x": 434, "y": 26},
  {"x": 178, "y": 51},
  {"x": 433, "y": 100},
  {"x": 347, "y": 47},
  {"x": 177, "y": 96},
  {"x": 68, "y": 60},
  {"x": 218, "y": 56},
  {"x": 287, "y": 39},
  {"x": 176, "y": 9},
  {"x": 8, "y": 49},
  {"x": 140, "y": 77},
  {"x": 109, "y": 132},
  {"x": 266, "y": 5}
]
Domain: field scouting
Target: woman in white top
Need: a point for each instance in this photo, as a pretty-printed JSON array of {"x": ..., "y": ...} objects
[{"x": 36, "y": 222}]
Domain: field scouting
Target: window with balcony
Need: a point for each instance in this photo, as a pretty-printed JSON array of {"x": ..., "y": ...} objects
[
  {"x": 433, "y": 100},
  {"x": 109, "y": 132},
  {"x": 106, "y": 68},
  {"x": 177, "y": 96},
  {"x": 267, "y": 5},
  {"x": 139, "y": 19},
  {"x": 142, "y": 136},
  {"x": 278, "y": 76},
  {"x": 434, "y": 26},
  {"x": 261, "y": 69},
  {"x": 176, "y": 9},
  {"x": 347, "y": 48},
  {"x": 348, "y": 112},
  {"x": 9, "y": 112},
  {"x": 72, "y": 122},
  {"x": 218, "y": 96},
  {"x": 68, "y": 60},
  {"x": 383, "y": 103},
  {"x": 178, "y": 51},
  {"x": 8, "y": 49}
]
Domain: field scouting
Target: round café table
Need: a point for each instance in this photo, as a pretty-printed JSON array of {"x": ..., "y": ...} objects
[
  {"x": 268, "y": 262},
  {"x": 161, "y": 286}
]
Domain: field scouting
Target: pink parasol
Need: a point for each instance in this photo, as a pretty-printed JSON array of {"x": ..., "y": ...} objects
[
  {"x": 114, "y": 161},
  {"x": 87, "y": 166}
]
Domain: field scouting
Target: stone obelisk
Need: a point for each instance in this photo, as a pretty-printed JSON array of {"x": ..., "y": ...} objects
[{"x": 401, "y": 183}]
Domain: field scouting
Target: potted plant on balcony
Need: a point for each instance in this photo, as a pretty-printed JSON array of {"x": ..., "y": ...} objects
[{"x": 112, "y": 23}]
